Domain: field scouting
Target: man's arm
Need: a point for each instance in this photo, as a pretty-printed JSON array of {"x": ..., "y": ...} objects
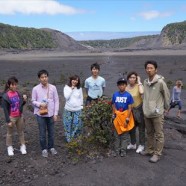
[{"x": 166, "y": 95}]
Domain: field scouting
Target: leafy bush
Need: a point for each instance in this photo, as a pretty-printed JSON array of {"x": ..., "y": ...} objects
[
  {"x": 97, "y": 121},
  {"x": 97, "y": 131}
]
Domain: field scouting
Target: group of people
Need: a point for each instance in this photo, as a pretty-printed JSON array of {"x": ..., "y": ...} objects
[{"x": 134, "y": 105}]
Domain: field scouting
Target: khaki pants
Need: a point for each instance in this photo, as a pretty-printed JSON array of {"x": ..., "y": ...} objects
[
  {"x": 155, "y": 135},
  {"x": 18, "y": 122},
  {"x": 121, "y": 141}
]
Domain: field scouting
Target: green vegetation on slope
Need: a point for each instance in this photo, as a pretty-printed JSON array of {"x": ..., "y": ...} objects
[
  {"x": 175, "y": 32},
  {"x": 115, "y": 43},
  {"x": 24, "y": 38}
]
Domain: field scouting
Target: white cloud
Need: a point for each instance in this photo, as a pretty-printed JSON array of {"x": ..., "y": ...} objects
[
  {"x": 153, "y": 14},
  {"x": 51, "y": 7}
]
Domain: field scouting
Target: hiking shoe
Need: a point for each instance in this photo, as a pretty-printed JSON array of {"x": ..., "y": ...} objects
[
  {"x": 155, "y": 158},
  {"x": 123, "y": 153},
  {"x": 140, "y": 148},
  {"x": 45, "y": 153},
  {"x": 53, "y": 151},
  {"x": 10, "y": 151},
  {"x": 130, "y": 146},
  {"x": 145, "y": 153},
  {"x": 115, "y": 153},
  {"x": 23, "y": 149}
]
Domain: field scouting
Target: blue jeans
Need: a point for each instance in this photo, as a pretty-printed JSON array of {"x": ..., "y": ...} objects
[{"x": 46, "y": 124}]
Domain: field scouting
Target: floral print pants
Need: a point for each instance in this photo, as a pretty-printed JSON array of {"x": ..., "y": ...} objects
[{"x": 72, "y": 124}]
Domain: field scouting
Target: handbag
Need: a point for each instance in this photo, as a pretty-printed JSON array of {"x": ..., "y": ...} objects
[
  {"x": 173, "y": 103},
  {"x": 138, "y": 114},
  {"x": 44, "y": 111}
]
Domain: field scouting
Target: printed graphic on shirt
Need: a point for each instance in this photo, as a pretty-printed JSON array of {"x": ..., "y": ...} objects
[
  {"x": 122, "y": 101},
  {"x": 14, "y": 104},
  {"x": 95, "y": 87}
]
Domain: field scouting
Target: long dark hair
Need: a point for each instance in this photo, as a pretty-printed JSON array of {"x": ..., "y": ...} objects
[
  {"x": 11, "y": 81},
  {"x": 74, "y": 78}
]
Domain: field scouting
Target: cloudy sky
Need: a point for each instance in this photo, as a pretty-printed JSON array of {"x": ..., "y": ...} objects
[{"x": 93, "y": 15}]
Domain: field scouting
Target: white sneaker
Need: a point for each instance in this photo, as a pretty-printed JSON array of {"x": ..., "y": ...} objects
[
  {"x": 23, "y": 149},
  {"x": 10, "y": 151},
  {"x": 130, "y": 146},
  {"x": 45, "y": 153},
  {"x": 140, "y": 148},
  {"x": 53, "y": 151}
]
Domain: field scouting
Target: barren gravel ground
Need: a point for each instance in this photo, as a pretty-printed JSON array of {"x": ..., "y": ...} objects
[{"x": 32, "y": 169}]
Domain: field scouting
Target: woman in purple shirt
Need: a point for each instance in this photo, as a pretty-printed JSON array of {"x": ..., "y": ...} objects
[{"x": 176, "y": 98}]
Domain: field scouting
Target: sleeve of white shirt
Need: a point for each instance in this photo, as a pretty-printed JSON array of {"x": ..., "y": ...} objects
[
  {"x": 67, "y": 92},
  {"x": 104, "y": 83},
  {"x": 86, "y": 84},
  {"x": 81, "y": 94}
]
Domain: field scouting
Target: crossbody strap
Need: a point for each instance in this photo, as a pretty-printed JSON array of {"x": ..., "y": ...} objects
[{"x": 48, "y": 92}]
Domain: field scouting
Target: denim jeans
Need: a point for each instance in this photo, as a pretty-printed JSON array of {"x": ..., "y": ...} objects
[{"x": 46, "y": 124}]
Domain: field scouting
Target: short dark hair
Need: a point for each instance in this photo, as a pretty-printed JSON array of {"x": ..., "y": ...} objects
[
  {"x": 74, "y": 78},
  {"x": 131, "y": 73},
  {"x": 42, "y": 72},
  {"x": 95, "y": 65},
  {"x": 11, "y": 81},
  {"x": 154, "y": 63},
  {"x": 122, "y": 82}
]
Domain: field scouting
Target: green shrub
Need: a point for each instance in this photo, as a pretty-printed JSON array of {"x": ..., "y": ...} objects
[{"x": 97, "y": 130}]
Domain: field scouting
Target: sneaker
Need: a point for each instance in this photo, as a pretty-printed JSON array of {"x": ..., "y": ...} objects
[
  {"x": 23, "y": 149},
  {"x": 45, "y": 153},
  {"x": 155, "y": 158},
  {"x": 53, "y": 151},
  {"x": 123, "y": 153},
  {"x": 115, "y": 153},
  {"x": 130, "y": 146},
  {"x": 10, "y": 151},
  {"x": 145, "y": 153},
  {"x": 140, "y": 148}
]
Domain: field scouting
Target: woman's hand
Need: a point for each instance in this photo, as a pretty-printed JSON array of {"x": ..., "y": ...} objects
[
  {"x": 138, "y": 80},
  {"x": 24, "y": 97},
  {"x": 10, "y": 124}
]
